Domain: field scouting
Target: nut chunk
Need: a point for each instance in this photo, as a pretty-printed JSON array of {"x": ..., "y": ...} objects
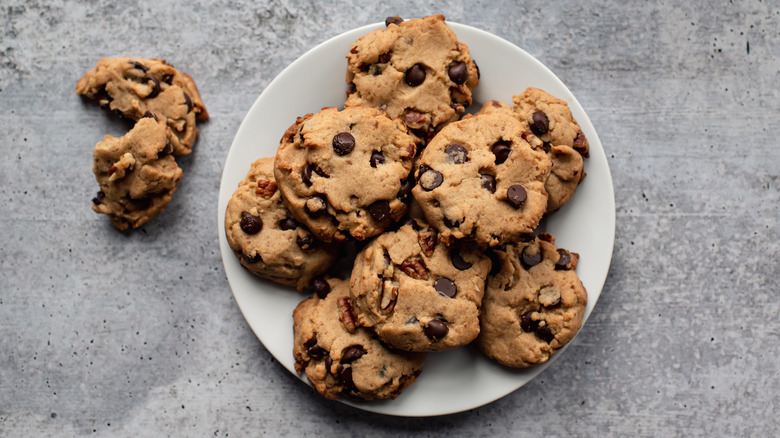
[{"x": 137, "y": 179}]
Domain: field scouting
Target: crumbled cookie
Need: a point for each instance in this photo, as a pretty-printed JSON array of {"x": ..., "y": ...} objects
[
  {"x": 340, "y": 358},
  {"x": 137, "y": 88},
  {"x": 265, "y": 237},
  {"x": 480, "y": 179},
  {"x": 416, "y": 70},
  {"x": 551, "y": 122},
  {"x": 533, "y": 304},
  {"x": 416, "y": 293},
  {"x": 345, "y": 173},
  {"x": 136, "y": 173}
]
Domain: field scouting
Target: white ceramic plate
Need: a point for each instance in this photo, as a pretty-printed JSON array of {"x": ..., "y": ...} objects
[{"x": 459, "y": 379}]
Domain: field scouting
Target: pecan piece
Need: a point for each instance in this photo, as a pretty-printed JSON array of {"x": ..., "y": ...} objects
[
  {"x": 265, "y": 188},
  {"x": 415, "y": 268},
  {"x": 427, "y": 240},
  {"x": 347, "y": 317}
]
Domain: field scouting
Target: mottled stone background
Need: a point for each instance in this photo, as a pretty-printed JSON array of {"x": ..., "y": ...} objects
[{"x": 138, "y": 334}]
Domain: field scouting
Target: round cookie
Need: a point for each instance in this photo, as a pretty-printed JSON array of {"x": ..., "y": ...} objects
[
  {"x": 340, "y": 358},
  {"x": 480, "y": 179},
  {"x": 136, "y": 88},
  {"x": 533, "y": 304},
  {"x": 345, "y": 173},
  {"x": 265, "y": 237},
  {"x": 415, "y": 292},
  {"x": 136, "y": 173},
  {"x": 416, "y": 70}
]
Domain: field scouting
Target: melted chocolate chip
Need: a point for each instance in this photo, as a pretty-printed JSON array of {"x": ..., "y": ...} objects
[
  {"x": 167, "y": 150},
  {"x": 564, "y": 259},
  {"x": 406, "y": 188},
  {"x": 458, "y": 262},
  {"x": 501, "y": 150},
  {"x": 415, "y": 75},
  {"x": 346, "y": 377},
  {"x": 449, "y": 223},
  {"x": 529, "y": 261},
  {"x": 515, "y": 195},
  {"x": 343, "y": 143},
  {"x": 250, "y": 223},
  {"x": 457, "y": 153},
  {"x": 395, "y": 19},
  {"x": 527, "y": 323},
  {"x": 316, "y": 205},
  {"x": 139, "y": 66},
  {"x": 320, "y": 287},
  {"x": 385, "y": 57},
  {"x": 98, "y": 199},
  {"x": 446, "y": 287},
  {"x": 305, "y": 242},
  {"x": 251, "y": 260},
  {"x": 307, "y": 171},
  {"x": 167, "y": 78},
  {"x": 379, "y": 210},
  {"x": 429, "y": 178},
  {"x": 188, "y": 102},
  {"x": 150, "y": 115},
  {"x": 155, "y": 86},
  {"x": 316, "y": 352},
  {"x": 436, "y": 329},
  {"x": 488, "y": 182},
  {"x": 288, "y": 224},
  {"x": 352, "y": 354},
  {"x": 540, "y": 124},
  {"x": 544, "y": 333},
  {"x": 377, "y": 158},
  {"x": 458, "y": 72}
]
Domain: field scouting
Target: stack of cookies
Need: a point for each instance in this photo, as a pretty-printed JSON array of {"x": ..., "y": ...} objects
[
  {"x": 137, "y": 173},
  {"x": 444, "y": 207}
]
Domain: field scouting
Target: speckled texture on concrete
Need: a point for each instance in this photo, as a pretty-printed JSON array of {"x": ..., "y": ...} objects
[{"x": 105, "y": 333}]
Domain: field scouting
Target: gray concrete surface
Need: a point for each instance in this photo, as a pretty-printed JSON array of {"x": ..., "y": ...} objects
[{"x": 111, "y": 334}]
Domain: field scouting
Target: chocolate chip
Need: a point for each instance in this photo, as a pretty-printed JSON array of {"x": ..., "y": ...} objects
[
  {"x": 167, "y": 78},
  {"x": 436, "y": 329},
  {"x": 377, "y": 158},
  {"x": 527, "y": 323},
  {"x": 98, "y": 199},
  {"x": 250, "y": 223},
  {"x": 395, "y": 19},
  {"x": 288, "y": 224},
  {"x": 316, "y": 205},
  {"x": 375, "y": 70},
  {"x": 343, "y": 143},
  {"x": 251, "y": 260},
  {"x": 458, "y": 262},
  {"x": 501, "y": 150},
  {"x": 540, "y": 124},
  {"x": 307, "y": 171},
  {"x": 544, "y": 333},
  {"x": 305, "y": 242},
  {"x": 449, "y": 223},
  {"x": 406, "y": 188},
  {"x": 385, "y": 57},
  {"x": 352, "y": 354},
  {"x": 167, "y": 150},
  {"x": 139, "y": 66},
  {"x": 515, "y": 195},
  {"x": 415, "y": 75},
  {"x": 346, "y": 377},
  {"x": 445, "y": 286},
  {"x": 188, "y": 101},
  {"x": 328, "y": 363},
  {"x": 316, "y": 352},
  {"x": 529, "y": 261},
  {"x": 458, "y": 72},
  {"x": 155, "y": 86},
  {"x": 429, "y": 178},
  {"x": 320, "y": 287},
  {"x": 488, "y": 182},
  {"x": 564, "y": 259},
  {"x": 150, "y": 115},
  {"x": 457, "y": 153},
  {"x": 379, "y": 210}
]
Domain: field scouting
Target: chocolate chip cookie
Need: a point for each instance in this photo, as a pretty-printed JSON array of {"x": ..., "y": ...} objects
[
  {"x": 551, "y": 122},
  {"x": 265, "y": 237},
  {"x": 136, "y": 173},
  {"x": 340, "y": 358},
  {"x": 416, "y": 70},
  {"x": 415, "y": 292},
  {"x": 135, "y": 88},
  {"x": 345, "y": 173},
  {"x": 480, "y": 179},
  {"x": 533, "y": 303}
]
